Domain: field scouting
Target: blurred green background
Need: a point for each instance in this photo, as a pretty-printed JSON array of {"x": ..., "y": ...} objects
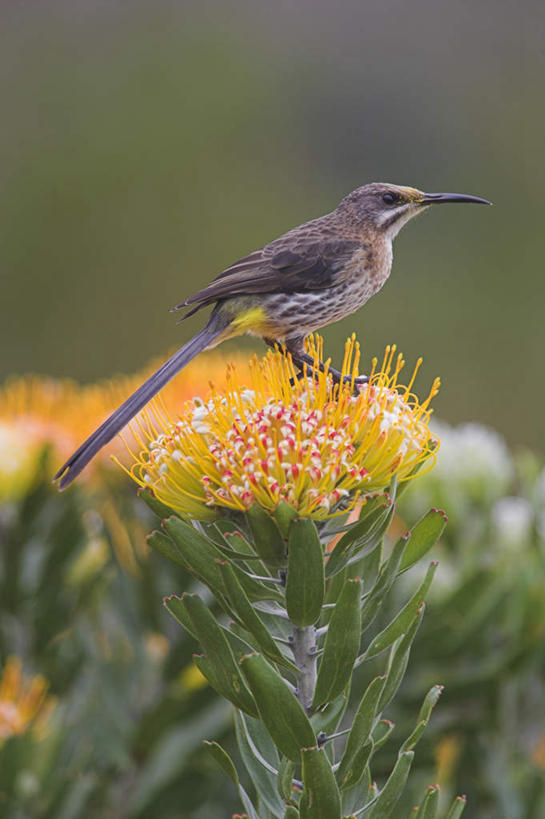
[{"x": 146, "y": 145}]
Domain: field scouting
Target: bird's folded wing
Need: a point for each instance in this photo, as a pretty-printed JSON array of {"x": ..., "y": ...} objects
[{"x": 302, "y": 266}]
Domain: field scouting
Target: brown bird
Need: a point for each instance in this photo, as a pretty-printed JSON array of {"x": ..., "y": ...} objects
[{"x": 310, "y": 276}]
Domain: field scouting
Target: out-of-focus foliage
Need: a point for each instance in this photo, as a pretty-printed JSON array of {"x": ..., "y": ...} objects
[{"x": 80, "y": 604}]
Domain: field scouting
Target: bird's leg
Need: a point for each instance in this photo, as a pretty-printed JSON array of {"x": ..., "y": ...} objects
[{"x": 301, "y": 359}]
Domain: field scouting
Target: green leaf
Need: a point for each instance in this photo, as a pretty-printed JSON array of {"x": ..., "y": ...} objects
[
  {"x": 267, "y": 540},
  {"x": 321, "y": 798},
  {"x": 429, "y": 804},
  {"x": 305, "y": 583},
  {"x": 280, "y": 710},
  {"x": 164, "y": 545},
  {"x": 384, "y": 582},
  {"x": 381, "y": 733},
  {"x": 262, "y": 773},
  {"x": 291, "y": 812},
  {"x": 341, "y": 645},
  {"x": 424, "y": 715},
  {"x": 457, "y": 808},
  {"x": 193, "y": 550},
  {"x": 358, "y": 765},
  {"x": 176, "y": 608},
  {"x": 283, "y": 515},
  {"x": 404, "y": 618},
  {"x": 226, "y": 672},
  {"x": 222, "y": 758},
  {"x": 203, "y": 566},
  {"x": 286, "y": 773},
  {"x": 361, "y": 538},
  {"x": 226, "y": 764},
  {"x": 392, "y": 790},
  {"x": 360, "y": 730},
  {"x": 423, "y": 536},
  {"x": 328, "y": 718},
  {"x": 399, "y": 657},
  {"x": 249, "y": 617}
]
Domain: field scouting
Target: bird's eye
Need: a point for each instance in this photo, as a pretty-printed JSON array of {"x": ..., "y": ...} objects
[{"x": 389, "y": 198}]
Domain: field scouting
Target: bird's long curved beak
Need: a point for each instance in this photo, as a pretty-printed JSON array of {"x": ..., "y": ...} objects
[{"x": 439, "y": 198}]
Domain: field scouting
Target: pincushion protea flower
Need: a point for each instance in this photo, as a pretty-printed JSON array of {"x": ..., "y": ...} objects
[
  {"x": 284, "y": 438},
  {"x": 23, "y": 702},
  {"x": 38, "y": 411}
]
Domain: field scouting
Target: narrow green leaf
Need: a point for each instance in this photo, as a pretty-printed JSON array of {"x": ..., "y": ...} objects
[
  {"x": 222, "y": 758},
  {"x": 157, "y": 507},
  {"x": 356, "y": 795},
  {"x": 280, "y": 710},
  {"x": 291, "y": 812},
  {"x": 423, "y": 717},
  {"x": 176, "y": 608},
  {"x": 369, "y": 567},
  {"x": 429, "y": 804},
  {"x": 402, "y": 621},
  {"x": 261, "y": 772},
  {"x": 423, "y": 536},
  {"x": 286, "y": 773},
  {"x": 359, "y": 761},
  {"x": 250, "y": 618},
  {"x": 399, "y": 658},
  {"x": 226, "y": 764},
  {"x": 392, "y": 790},
  {"x": 193, "y": 550},
  {"x": 267, "y": 540},
  {"x": 381, "y": 733},
  {"x": 164, "y": 545},
  {"x": 218, "y": 653},
  {"x": 321, "y": 798},
  {"x": 361, "y": 729},
  {"x": 198, "y": 558},
  {"x": 384, "y": 582},
  {"x": 457, "y": 808},
  {"x": 341, "y": 645},
  {"x": 327, "y": 719},
  {"x": 361, "y": 538},
  {"x": 305, "y": 583},
  {"x": 283, "y": 515}
]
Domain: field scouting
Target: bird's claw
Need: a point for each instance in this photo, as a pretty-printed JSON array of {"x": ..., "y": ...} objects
[{"x": 336, "y": 376}]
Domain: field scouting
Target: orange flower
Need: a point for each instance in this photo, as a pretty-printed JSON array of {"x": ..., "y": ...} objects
[
  {"x": 37, "y": 411},
  {"x": 24, "y": 704}
]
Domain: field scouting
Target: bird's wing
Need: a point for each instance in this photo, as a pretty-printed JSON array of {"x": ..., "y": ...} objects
[{"x": 304, "y": 264}]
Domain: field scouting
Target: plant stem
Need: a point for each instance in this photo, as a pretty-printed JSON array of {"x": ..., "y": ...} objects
[{"x": 305, "y": 656}]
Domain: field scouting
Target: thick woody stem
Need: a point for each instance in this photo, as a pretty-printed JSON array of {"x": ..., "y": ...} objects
[{"x": 304, "y": 653}]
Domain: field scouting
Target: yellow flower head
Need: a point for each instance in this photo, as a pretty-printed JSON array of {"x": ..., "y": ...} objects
[
  {"x": 37, "y": 412},
  {"x": 23, "y": 702},
  {"x": 283, "y": 438}
]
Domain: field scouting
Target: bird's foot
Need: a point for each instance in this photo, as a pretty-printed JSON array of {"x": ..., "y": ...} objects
[
  {"x": 339, "y": 378},
  {"x": 307, "y": 364}
]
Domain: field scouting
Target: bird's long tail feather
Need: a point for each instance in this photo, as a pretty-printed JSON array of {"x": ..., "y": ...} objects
[{"x": 135, "y": 402}]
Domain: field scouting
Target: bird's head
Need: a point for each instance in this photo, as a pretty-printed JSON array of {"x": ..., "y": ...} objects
[{"x": 386, "y": 208}]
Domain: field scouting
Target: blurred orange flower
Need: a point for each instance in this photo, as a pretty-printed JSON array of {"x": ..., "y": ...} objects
[
  {"x": 38, "y": 411},
  {"x": 24, "y": 703}
]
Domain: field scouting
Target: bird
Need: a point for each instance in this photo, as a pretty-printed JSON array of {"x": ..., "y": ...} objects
[{"x": 311, "y": 276}]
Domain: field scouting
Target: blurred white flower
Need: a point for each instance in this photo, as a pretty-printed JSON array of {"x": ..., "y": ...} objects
[
  {"x": 474, "y": 458},
  {"x": 512, "y": 519}
]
